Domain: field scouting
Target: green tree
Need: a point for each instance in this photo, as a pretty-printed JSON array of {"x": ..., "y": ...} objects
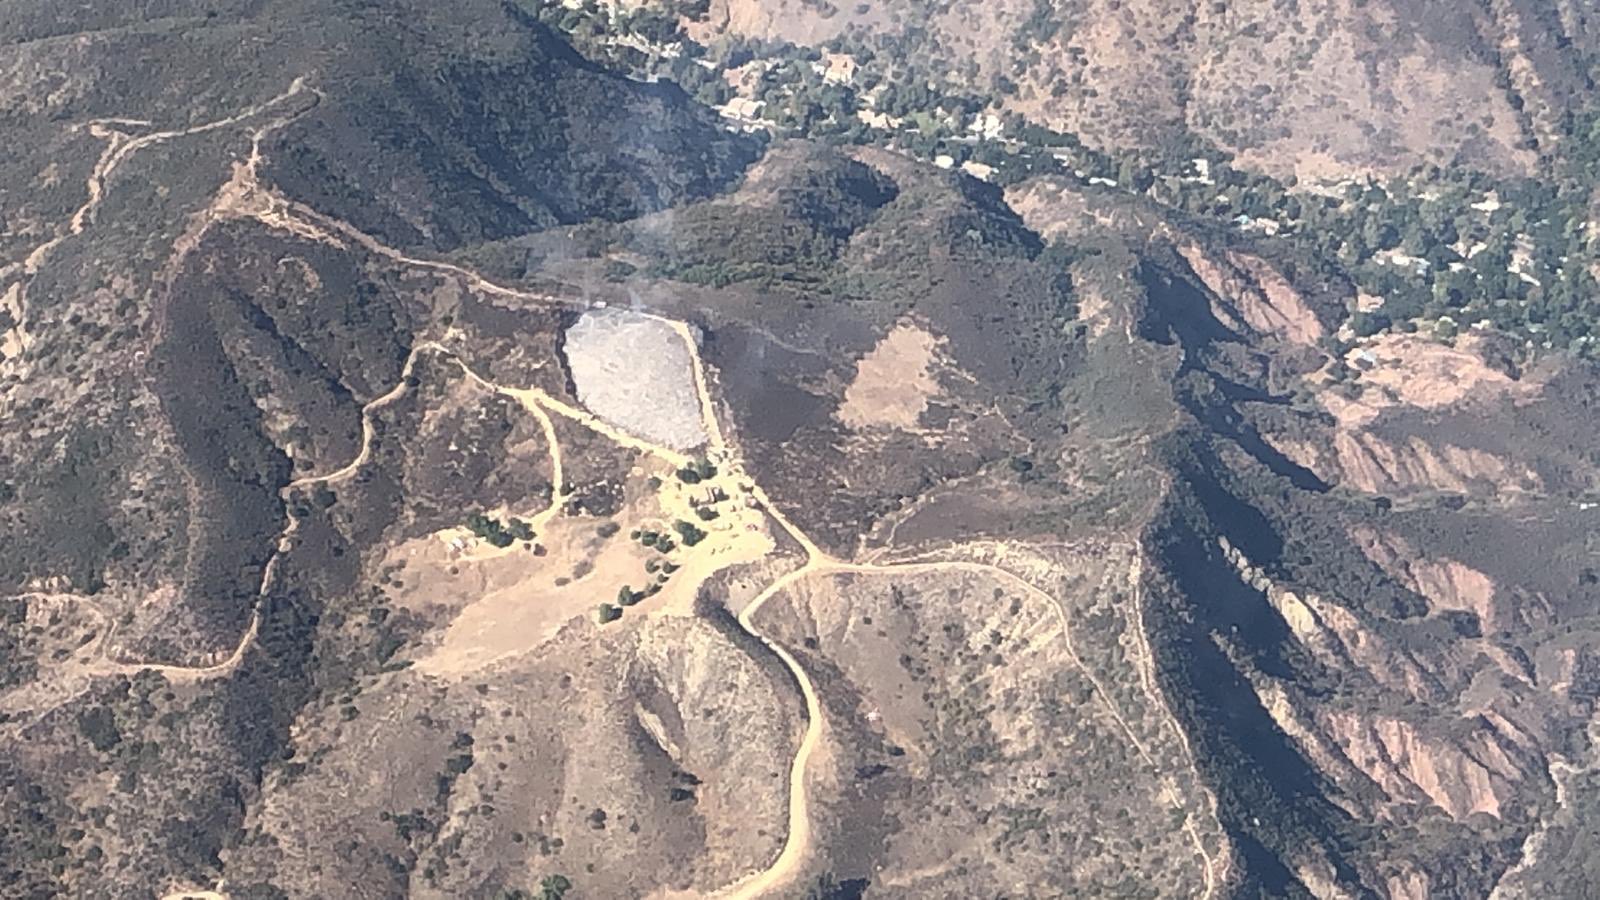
[
  {"x": 1367, "y": 324},
  {"x": 689, "y": 532},
  {"x": 554, "y": 887},
  {"x": 1377, "y": 233},
  {"x": 100, "y": 727},
  {"x": 1415, "y": 240},
  {"x": 1133, "y": 176}
]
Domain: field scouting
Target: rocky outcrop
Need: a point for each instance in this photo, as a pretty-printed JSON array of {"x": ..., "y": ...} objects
[
  {"x": 1368, "y": 462},
  {"x": 1477, "y": 767},
  {"x": 1334, "y": 636},
  {"x": 1398, "y": 371},
  {"x": 1409, "y": 884},
  {"x": 1381, "y": 433},
  {"x": 1473, "y": 774},
  {"x": 1249, "y": 294},
  {"x": 1445, "y": 583}
]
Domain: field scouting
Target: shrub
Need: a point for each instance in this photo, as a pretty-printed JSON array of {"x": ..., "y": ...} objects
[
  {"x": 689, "y": 532},
  {"x": 554, "y": 887},
  {"x": 497, "y": 534},
  {"x": 100, "y": 727}
]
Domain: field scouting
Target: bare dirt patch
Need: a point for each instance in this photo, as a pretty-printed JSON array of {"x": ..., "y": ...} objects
[
  {"x": 1407, "y": 370},
  {"x": 1405, "y": 421},
  {"x": 1258, "y": 293},
  {"x": 958, "y": 724},
  {"x": 1446, "y": 583},
  {"x": 633, "y": 371},
  {"x": 894, "y": 382},
  {"x": 510, "y": 601}
]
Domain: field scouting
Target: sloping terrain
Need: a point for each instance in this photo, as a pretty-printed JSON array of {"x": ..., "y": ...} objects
[
  {"x": 1319, "y": 90},
  {"x": 436, "y": 467},
  {"x": 1349, "y": 600}
]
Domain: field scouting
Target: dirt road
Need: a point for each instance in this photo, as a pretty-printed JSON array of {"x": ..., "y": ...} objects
[{"x": 799, "y": 843}]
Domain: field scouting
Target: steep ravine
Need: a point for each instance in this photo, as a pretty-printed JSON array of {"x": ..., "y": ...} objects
[{"x": 1365, "y": 731}]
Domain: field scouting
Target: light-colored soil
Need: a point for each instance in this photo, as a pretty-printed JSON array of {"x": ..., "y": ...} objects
[
  {"x": 66, "y": 641},
  {"x": 1407, "y": 370},
  {"x": 504, "y": 602},
  {"x": 1445, "y": 583},
  {"x": 632, "y": 371},
  {"x": 740, "y": 537},
  {"x": 1261, "y": 296},
  {"x": 893, "y": 382},
  {"x": 511, "y": 603},
  {"x": 968, "y": 672},
  {"x": 120, "y": 147},
  {"x": 1383, "y": 440}
]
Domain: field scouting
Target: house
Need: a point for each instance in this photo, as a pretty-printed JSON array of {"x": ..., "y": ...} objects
[
  {"x": 838, "y": 68},
  {"x": 743, "y": 109}
]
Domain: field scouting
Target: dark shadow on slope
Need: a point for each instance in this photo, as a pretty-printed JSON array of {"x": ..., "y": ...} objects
[
  {"x": 1179, "y": 313},
  {"x": 1220, "y": 413},
  {"x": 1270, "y": 798},
  {"x": 436, "y": 136},
  {"x": 235, "y": 473}
]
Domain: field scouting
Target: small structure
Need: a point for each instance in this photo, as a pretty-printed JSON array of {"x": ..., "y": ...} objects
[
  {"x": 838, "y": 68},
  {"x": 987, "y": 126},
  {"x": 743, "y": 109}
]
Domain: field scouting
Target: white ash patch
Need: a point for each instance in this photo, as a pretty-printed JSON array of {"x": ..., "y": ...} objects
[{"x": 633, "y": 371}]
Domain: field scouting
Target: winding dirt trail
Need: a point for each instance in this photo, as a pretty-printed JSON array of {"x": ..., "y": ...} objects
[
  {"x": 120, "y": 147},
  {"x": 537, "y": 402},
  {"x": 368, "y": 429},
  {"x": 798, "y": 842},
  {"x": 244, "y": 197},
  {"x": 536, "y": 399},
  {"x": 196, "y": 895}
]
